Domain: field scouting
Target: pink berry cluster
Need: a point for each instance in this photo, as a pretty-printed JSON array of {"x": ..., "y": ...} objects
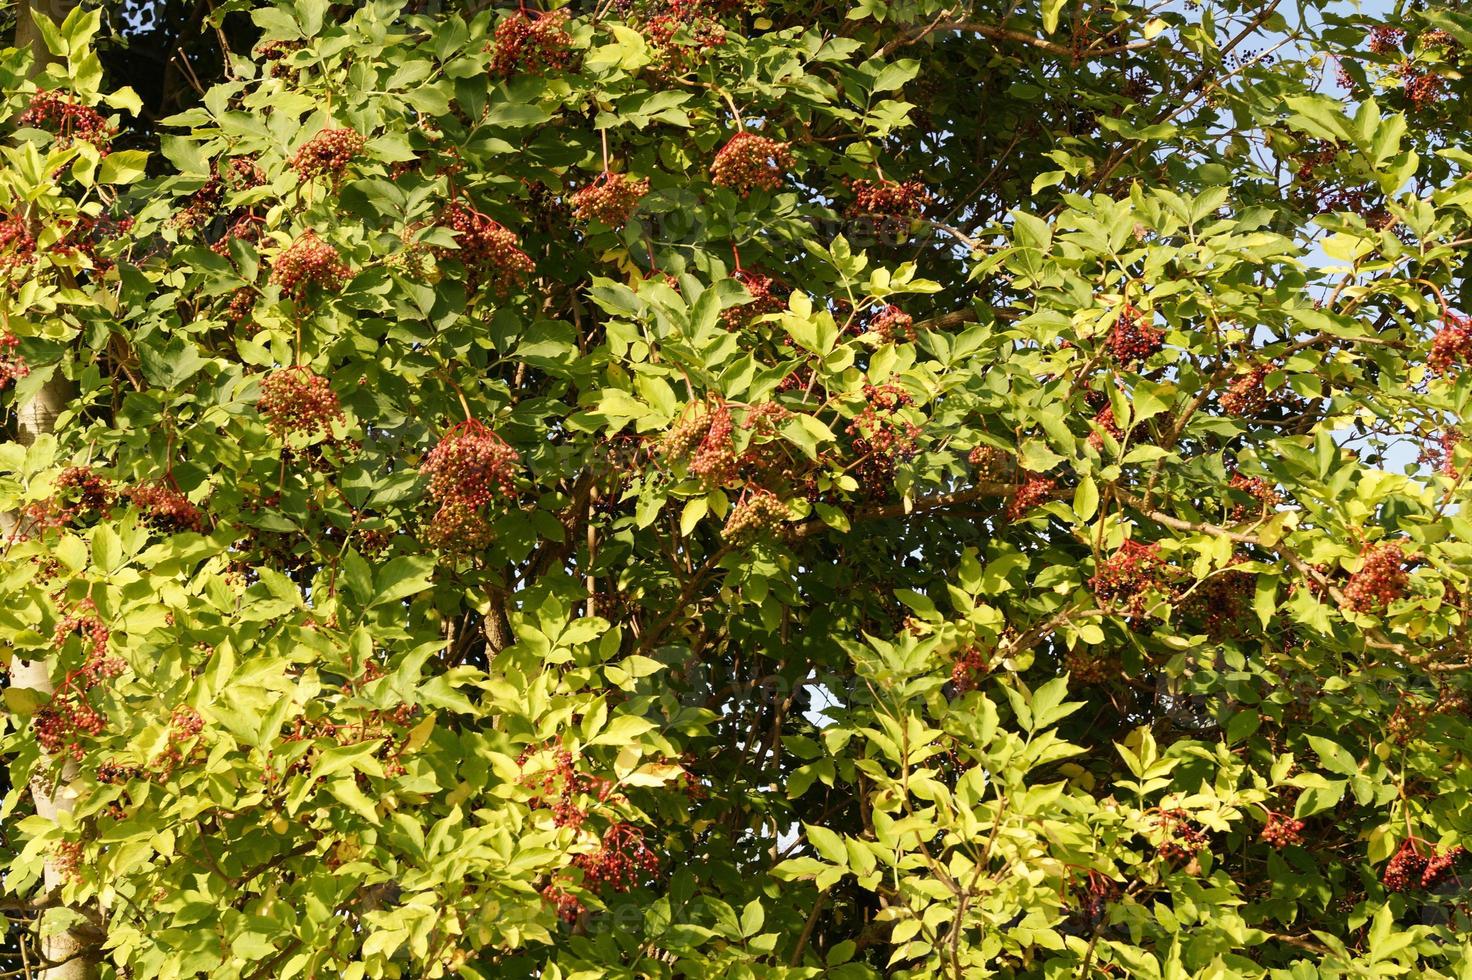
[
  {"x": 1438, "y": 454},
  {"x": 766, "y": 297},
  {"x": 881, "y": 437},
  {"x": 1246, "y": 396},
  {"x": 184, "y": 723},
  {"x": 1381, "y": 580},
  {"x": 1259, "y": 490},
  {"x": 1452, "y": 345},
  {"x": 610, "y": 199},
  {"x": 622, "y": 862},
  {"x": 893, "y": 324},
  {"x": 490, "y": 251},
  {"x": 1422, "y": 88},
  {"x": 67, "y": 120},
  {"x": 309, "y": 261},
  {"x": 1034, "y": 490},
  {"x": 759, "y": 514},
  {"x": 749, "y": 162},
  {"x": 1133, "y": 338},
  {"x": 682, "y": 37},
  {"x": 1104, "y": 424},
  {"x": 1410, "y": 868},
  {"x": 297, "y": 401},
  {"x": 971, "y": 664},
  {"x": 328, "y": 153},
  {"x": 13, "y": 366},
  {"x": 241, "y": 173},
  {"x": 1385, "y": 39},
  {"x": 560, "y": 787},
  {"x": 471, "y": 469},
  {"x": 992, "y": 464},
  {"x": 17, "y": 244},
  {"x": 79, "y": 491},
  {"x": 68, "y": 857},
  {"x": 714, "y": 459},
  {"x": 1181, "y": 839},
  {"x": 166, "y": 509},
  {"x": 84, "y": 623},
  {"x": 891, "y": 198},
  {"x": 529, "y": 43},
  {"x": 1127, "y": 578},
  {"x": 1281, "y": 830}
]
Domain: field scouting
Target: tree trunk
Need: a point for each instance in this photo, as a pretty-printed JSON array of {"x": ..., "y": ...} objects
[{"x": 73, "y": 951}]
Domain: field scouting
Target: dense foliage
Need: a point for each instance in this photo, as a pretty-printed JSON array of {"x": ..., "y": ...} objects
[{"x": 702, "y": 488}]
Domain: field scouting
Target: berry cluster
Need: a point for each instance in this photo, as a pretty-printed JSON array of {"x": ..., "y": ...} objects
[
  {"x": 13, "y": 366},
  {"x": 622, "y": 862},
  {"x": 1385, "y": 39},
  {"x": 67, "y": 858},
  {"x": 1104, "y": 424},
  {"x": 766, "y": 297},
  {"x": 714, "y": 460},
  {"x": 166, "y": 509},
  {"x": 79, "y": 490},
  {"x": 567, "y": 906},
  {"x": 296, "y": 401},
  {"x": 1452, "y": 345},
  {"x": 890, "y": 204},
  {"x": 489, "y": 250},
  {"x": 309, "y": 261},
  {"x": 749, "y": 162},
  {"x": 1091, "y": 665},
  {"x": 66, "y": 718},
  {"x": 470, "y": 469},
  {"x": 246, "y": 228},
  {"x": 992, "y": 464},
  {"x": 881, "y": 437},
  {"x": 275, "y": 54},
  {"x": 67, "y": 120},
  {"x": 1438, "y": 455},
  {"x": 1127, "y": 578},
  {"x": 17, "y": 244},
  {"x": 329, "y": 153},
  {"x": 891, "y": 323},
  {"x": 1258, "y": 489},
  {"x": 682, "y": 37},
  {"x": 531, "y": 44},
  {"x": 184, "y": 723},
  {"x": 611, "y": 199},
  {"x": 1381, "y": 580},
  {"x": 1033, "y": 490},
  {"x": 1133, "y": 338},
  {"x": 1405, "y": 869},
  {"x": 1422, "y": 88},
  {"x": 84, "y": 623},
  {"x": 759, "y": 514},
  {"x": 560, "y": 787},
  {"x": 1282, "y": 830},
  {"x": 242, "y": 304},
  {"x": 971, "y": 664},
  {"x": 1181, "y": 839},
  {"x": 1223, "y": 600},
  {"x": 1246, "y": 396}
]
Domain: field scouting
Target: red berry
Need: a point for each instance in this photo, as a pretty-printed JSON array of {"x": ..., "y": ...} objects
[
  {"x": 610, "y": 199},
  {"x": 531, "y": 43},
  {"x": 749, "y": 162},
  {"x": 1381, "y": 580},
  {"x": 295, "y": 401},
  {"x": 329, "y": 153},
  {"x": 309, "y": 261}
]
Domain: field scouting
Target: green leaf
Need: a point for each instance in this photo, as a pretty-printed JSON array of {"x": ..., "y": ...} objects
[
  {"x": 402, "y": 577},
  {"x": 122, "y": 167}
]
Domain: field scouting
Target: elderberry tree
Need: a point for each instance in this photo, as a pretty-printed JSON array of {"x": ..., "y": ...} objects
[{"x": 693, "y": 488}]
